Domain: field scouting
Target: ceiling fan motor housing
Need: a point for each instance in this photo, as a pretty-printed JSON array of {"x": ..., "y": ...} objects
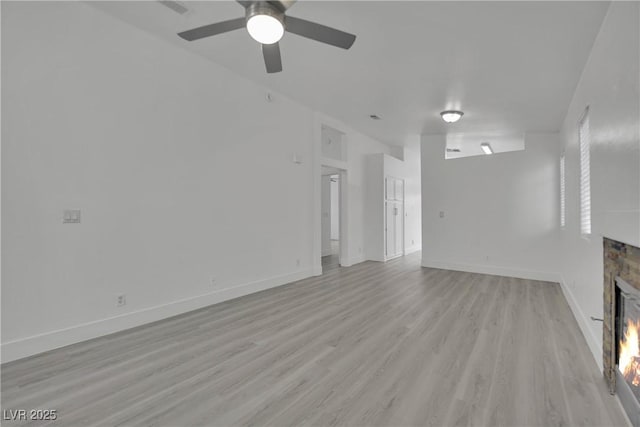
[{"x": 264, "y": 8}]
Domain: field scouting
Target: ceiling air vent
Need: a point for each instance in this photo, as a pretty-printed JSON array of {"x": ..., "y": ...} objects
[
  {"x": 176, "y": 6},
  {"x": 453, "y": 150}
]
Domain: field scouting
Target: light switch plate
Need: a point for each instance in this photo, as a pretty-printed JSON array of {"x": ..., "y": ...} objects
[{"x": 71, "y": 216}]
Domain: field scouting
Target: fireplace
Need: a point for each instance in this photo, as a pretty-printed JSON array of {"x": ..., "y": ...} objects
[
  {"x": 627, "y": 351},
  {"x": 621, "y": 328}
]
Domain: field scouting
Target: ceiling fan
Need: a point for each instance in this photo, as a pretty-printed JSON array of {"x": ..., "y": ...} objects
[{"x": 266, "y": 22}]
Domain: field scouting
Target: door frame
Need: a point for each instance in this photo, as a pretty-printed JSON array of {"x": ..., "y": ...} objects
[
  {"x": 321, "y": 120},
  {"x": 342, "y": 219}
]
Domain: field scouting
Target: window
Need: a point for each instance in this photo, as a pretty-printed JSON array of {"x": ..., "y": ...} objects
[
  {"x": 584, "y": 139},
  {"x": 563, "y": 217}
]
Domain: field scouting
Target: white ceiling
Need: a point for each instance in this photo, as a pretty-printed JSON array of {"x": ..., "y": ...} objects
[{"x": 512, "y": 67}]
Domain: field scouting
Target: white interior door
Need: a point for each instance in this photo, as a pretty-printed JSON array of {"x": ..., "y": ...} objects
[
  {"x": 394, "y": 217},
  {"x": 390, "y": 229},
  {"x": 389, "y": 188},
  {"x": 393, "y": 229},
  {"x": 399, "y": 228},
  {"x": 398, "y": 189}
]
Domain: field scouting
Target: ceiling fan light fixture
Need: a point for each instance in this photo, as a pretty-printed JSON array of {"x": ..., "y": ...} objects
[
  {"x": 264, "y": 24},
  {"x": 451, "y": 116}
]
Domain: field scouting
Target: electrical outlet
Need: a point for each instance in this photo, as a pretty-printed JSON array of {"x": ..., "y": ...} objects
[
  {"x": 71, "y": 216},
  {"x": 213, "y": 281},
  {"x": 298, "y": 263},
  {"x": 441, "y": 214},
  {"x": 121, "y": 300}
]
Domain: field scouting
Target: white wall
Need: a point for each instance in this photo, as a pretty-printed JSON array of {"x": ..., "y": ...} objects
[
  {"x": 610, "y": 87},
  {"x": 500, "y": 211},
  {"x": 332, "y": 144},
  {"x": 173, "y": 161},
  {"x": 154, "y": 145},
  {"x": 374, "y": 220},
  {"x": 358, "y": 147}
]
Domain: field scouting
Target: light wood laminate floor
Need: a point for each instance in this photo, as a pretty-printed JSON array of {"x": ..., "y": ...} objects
[{"x": 374, "y": 344}]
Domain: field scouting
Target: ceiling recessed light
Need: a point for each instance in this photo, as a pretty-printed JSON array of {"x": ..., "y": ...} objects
[
  {"x": 375, "y": 117},
  {"x": 486, "y": 147},
  {"x": 451, "y": 116}
]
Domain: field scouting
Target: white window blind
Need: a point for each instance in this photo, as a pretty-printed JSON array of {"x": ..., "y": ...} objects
[
  {"x": 585, "y": 174},
  {"x": 563, "y": 217}
]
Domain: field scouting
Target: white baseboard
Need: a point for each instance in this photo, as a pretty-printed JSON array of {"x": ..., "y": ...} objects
[
  {"x": 583, "y": 323},
  {"x": 317, "y": 270},
  {"x": 494, "y": 270},
  {"x": 24, "y": 347},
  {"x": 354, "y": 260},
  {"x": 412, "y": 249}
]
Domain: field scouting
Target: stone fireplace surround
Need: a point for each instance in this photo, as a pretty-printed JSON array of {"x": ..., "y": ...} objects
[{"x": 620, "y": 260}]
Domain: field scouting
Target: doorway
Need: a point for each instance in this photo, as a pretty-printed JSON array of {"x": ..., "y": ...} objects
[
  {"x": 330, "y": 156},
  {"x": 331, "y": 208}
]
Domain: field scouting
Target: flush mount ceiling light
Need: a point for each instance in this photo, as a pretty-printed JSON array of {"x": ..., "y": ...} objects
[
  {"x": 486, "y": 147},
  {"x": 265, "y": 23},
  {"x": 451, "y": 116}
]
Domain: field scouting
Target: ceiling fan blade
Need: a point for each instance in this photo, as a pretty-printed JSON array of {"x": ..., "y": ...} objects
[
  {"x": 288, "y": 3},
  {"x": 319, "y": 32},
  {"x": 272, "y": 60},
  {"x": 213, "y": 29}
]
